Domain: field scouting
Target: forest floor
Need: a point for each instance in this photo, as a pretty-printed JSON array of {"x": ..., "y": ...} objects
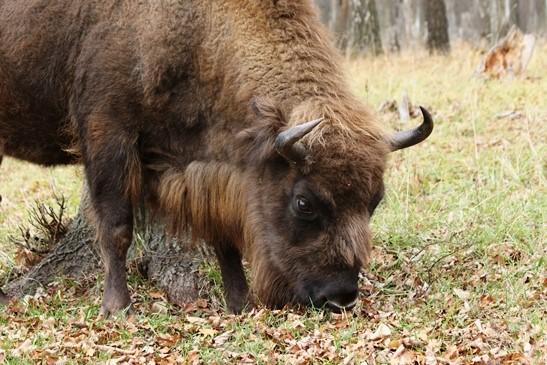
[{"x": 459, "y": 271}]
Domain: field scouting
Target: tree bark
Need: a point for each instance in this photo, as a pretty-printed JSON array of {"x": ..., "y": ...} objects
[
  {"x": 171, "y": 265},
  {"x": 512, "y": 12},
  {"x": 483, "y": 22},
  {"x": 75, "y": 257},
  {"x": 541, "y": 15},
  {"x": 389, "y": 17},
  {"x": 356, "y": 27},
  {"x": 364, "y": 29},
  {"x": 339, "y": 23},
  {"x": 325, "y": 11},
  {"x": 437, "y": 26},
  {"x": 500, "y": 22}
]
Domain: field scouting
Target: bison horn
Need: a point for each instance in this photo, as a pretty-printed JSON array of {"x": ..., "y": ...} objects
[
  {"x": 286, "y": 142},
  {"x": 414, "y": 136}
]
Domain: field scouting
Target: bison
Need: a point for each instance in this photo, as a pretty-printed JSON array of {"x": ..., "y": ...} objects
[{"x": 230, "y": 118}]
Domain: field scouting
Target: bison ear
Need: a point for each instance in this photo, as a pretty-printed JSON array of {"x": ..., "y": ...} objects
[{"x": 256, "y": 144}]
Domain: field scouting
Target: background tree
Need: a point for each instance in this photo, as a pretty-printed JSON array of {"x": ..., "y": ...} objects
[
  {"x": 437, "y": 26},
  {"x": 404, "y": 23},
  {"x": 354, "y": 24},
  {"x": 364, "y": 28},
  {"x": 339, "y": 22},
  {"x": 512, "y": 12}
]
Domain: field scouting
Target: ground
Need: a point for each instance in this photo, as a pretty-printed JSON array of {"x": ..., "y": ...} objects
[{"x": 459, "y": 272}]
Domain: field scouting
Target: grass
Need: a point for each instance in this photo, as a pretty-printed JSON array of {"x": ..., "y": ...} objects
[{"x": 458, "y": 273}]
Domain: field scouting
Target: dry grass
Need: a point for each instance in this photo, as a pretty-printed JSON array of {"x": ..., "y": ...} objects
[{"x": 459, "y": 273}]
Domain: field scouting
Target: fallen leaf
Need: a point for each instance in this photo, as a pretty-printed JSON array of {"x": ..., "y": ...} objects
[
  {"x": 430, "y": 352},
  {"x": 221, "y": 339},
  {"x": 486, "y": 300},
  {"x": 159, "y": 308},
  {"x": 196, "y": 320},
  {"x": 462, "y": 294},
  {"x": 403, "y": 356},
  {"x": 381, "y": 332},
  {"x": 207, "y": 331}
]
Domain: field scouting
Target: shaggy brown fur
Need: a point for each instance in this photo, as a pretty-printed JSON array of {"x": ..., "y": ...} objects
[{"x": 182, "y": 101}]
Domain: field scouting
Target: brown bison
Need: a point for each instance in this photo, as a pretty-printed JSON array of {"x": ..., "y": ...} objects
[{"x": 228, "y": 117}]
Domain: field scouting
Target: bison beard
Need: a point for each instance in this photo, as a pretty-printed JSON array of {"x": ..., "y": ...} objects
[{"x": 229, "y": 118}]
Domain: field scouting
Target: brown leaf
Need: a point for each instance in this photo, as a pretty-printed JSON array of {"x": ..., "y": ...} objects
[
  {"x": 381, "y": 332},
  {"x": 452, "y": 352},
  {"x": 165, "y": 339},
  {"x": 486, "y": 300},
  {"x": 192, "y": 357},
  {"x": 159, "y": 307},
  {"x": 196, "y": 320},
  {"x": 208, "y": 331},
  {"x": 430, "y": 352},
  {"x": 221, "y": 339},
  {"x": 25, "y": 347},
  {"x": 394, "y": 344},
  {"x": 462, "y": 294},
  {"x": 156, "y": 295},
  {"x": 404, "y": 356}
]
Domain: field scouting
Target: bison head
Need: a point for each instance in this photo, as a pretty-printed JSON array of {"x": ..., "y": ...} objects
[{"x": 317, "y": 185}]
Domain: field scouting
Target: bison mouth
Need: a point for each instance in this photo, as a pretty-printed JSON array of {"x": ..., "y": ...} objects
[
  {"x": 338, "y": 294},
  {"x": 332, "y": 305}
]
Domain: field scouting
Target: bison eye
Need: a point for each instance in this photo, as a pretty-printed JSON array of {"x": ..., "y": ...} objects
[{"x": 303, "y": 208}]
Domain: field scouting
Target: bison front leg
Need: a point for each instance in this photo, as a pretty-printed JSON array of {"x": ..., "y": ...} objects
[
  {"x": 236, "y": 290},
  {"x": 112, "y": 171}
]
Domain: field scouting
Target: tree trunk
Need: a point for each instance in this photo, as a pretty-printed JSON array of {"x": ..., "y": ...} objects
[
  {"x": 541, "y": 15},
  {"x": 389, "y": 15},
  {"x": 437, "y": 26},
  {"x": 355, "y": 26},
  {"x": 325, "y": 11},
  {"x": 169, "y": 264},
  {"x": 483, "y": 22},
  {"x": 364, "y": 30},
  {"x": 340, "y": 20},
  {"x": 512, "y": 12},
  {"x": 500, "y": 23}
]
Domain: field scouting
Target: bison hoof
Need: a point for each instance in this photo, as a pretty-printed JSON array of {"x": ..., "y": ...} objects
[
  {"x": 114, "y": 304},
  {"x": 238, "y": 306}
]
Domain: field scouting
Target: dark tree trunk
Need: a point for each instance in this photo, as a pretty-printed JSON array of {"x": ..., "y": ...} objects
[
  {"x": 437, "y": 26},
  {"x": 170, "y": 265}
]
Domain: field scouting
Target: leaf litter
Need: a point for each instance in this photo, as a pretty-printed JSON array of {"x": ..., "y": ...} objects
[{"x": 384, "y": 328}]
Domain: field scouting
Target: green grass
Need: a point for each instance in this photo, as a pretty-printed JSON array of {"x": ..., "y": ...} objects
[{"x": 459, "y": 266}]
